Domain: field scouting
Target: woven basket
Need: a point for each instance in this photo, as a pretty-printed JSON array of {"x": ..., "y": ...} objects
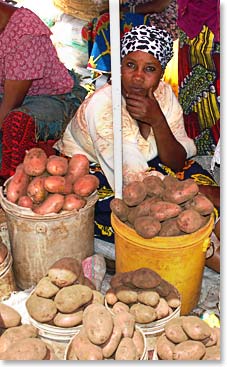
[{"x": 86, "y": 9}]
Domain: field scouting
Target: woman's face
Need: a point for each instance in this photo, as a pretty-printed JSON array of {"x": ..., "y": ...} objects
[{"x": 139, "y": 72}]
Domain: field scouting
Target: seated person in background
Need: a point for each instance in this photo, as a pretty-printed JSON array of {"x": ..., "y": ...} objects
[
  {"x": 38, "y": 95},
  {"x": 154, "y": 137}
]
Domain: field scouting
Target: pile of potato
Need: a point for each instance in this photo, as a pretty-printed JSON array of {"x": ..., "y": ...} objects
[
  {"x": 189, "y": 338},
  {"x": 59, "y": 299},
  {"x": 20, "y": 342},
  {"x": 168, "y": 207},
  {"x": 142, "y": 293},
  {"x": 104, "y": 336},
  {"x": 51, "y": 184}
]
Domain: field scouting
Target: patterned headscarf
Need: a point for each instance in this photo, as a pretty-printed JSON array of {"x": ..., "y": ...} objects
[{"x": 150, "y": 39}]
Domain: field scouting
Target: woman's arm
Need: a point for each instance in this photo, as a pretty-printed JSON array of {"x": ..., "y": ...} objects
[
  {"x": 154, "y": 6},
  {"x": 14, "y": 94}
]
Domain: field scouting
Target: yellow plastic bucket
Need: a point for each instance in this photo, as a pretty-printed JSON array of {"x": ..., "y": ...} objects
[{"x": 180, "y": 260}]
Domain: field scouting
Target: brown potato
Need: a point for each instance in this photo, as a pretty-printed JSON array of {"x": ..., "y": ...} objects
[
  {"x": 143, "y": 314},
  {"x": 147, "y": 226},
  {"x": 126, "y": 322},
  {"x": 196, "y": 328},
  {"x": 9, "y": 317},
  {"x": 154, "y": 185},
  {"x": 164, "y": 348},
  {"x": 126, "y": 295},
  {"x": 189, "y": 221},
  {"x": 35, "y": 162},
  {"x": 163, "y": 210},
  {"x": 162, "y": 309},
  {"x": 86, "y": 185},
  {"x": 145, "y": 278},
  {"x": 36, "y": 189},
  {"x": 138, "y": 340},
  {"x": 174, "y": 331},
  {"x": 52, "y": 204},
  {"x": 200, "y": 203},
  {"x": 73, "y": 201},
  {"x": 71, "y": 298},
  {"x": 173, "y": 298},
  {"x": 189, "y": 350},
  {"x": 134, "y": 193},
  {"x": 26, "y": 349},
  {"x": 119, "y": 208},
  {"x": 64, "y": 271},
  {"x": 81, "y": 348},
  {"x": 126, "y": 350},
  {"x": 98, "y": 297},
  {"x": 41, "y": 309},
  {"x": 56, "y": 165},
  {"x": 45, "y": 288},
  {"x": 163, "y": 288},
  {"x": 13, "y": 334},
  {"x": 17, "y": 185},
  {"x": 98, "y": 323},
  {"x": 148, "y": 297},
  {"x": 112, "y": 343},
  {"x": 111, "y": 297},
  {"x": 182, "y": 192},
  {"x": 119, "y": 307},
  {"x": 68, "y": 319},
  {"x": 212, "y": 353},
  {"x": 170, "y": 228}
]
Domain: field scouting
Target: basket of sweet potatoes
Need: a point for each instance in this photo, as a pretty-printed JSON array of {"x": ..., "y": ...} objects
[{"x": 163, "y": 207}]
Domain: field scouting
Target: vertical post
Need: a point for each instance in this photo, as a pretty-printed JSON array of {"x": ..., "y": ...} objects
[{"x": 114, "y": 11}]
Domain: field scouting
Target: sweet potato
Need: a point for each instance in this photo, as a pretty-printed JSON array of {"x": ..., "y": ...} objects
[
  {"x": 73, "y": 201},
  {"x": 119, "y": 208},
  {"x": 35, "y": 162},
  {"x": 189, "y": 350},
  {"x": 145, "y": 278},
  {"x": 154, "y": 185},
  {"x": 36, "y": 189},
  {"x": 78, "y": 166},
  {"x": 134, "y": 193},
  {"x": 52, "y": 204},
  {"x": 189, "y": 221},
  {"x": 98, "y": 323},
  {"x": 9, "y": 317},
  {"x": 58, "y": 185},
  {"x": 57, "y": 166},
  {"x": 86, "y": 185},
  {"x": 163, "y": 210},
  {"x": 147, "y": 226},
  {"x": 18, "y": 184}
]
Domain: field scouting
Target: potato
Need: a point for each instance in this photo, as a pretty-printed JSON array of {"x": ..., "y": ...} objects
[
  {"x": 163, "y": 288},
  {"x": 143, "y": 314},
  {"x": 196, "y": 328},
  {"x": 170, "y": 182},
  {"x": 162, "y": 309},
  {"x": 78, "y": 166},
  {"x": 112, "y": 343},
  {"x": 163, "y": 210},
  {"x": 117, "y": 280},
  {"x": 98, "y": 297},
  {"x": 13, "y": 334},
  {"x": 148, "y": 297},
  {"x": 58, "y": 185},
  {"x": 189, "y": 350},
  {"x": 154, "y": 185},
  {"x": 212, "y": 339},
  {"x": 173, "y": 298},
  {"x": 73, "y": 201},
  {"x": 41, "y": 309},
  {"x": 57, "y": 166},
  {"x": 183, "y": 191},
  {"x": 190, "y": 221},
  {"x": 35, "y": 162},
  {"x": 71, "y": 298},
  {"x": 119, "y": 208},
  {"x": 137, "y": 339},
  {"x": 164, "y": 348},
  {"x": 126, "y": 350},
  {"x": 9, "y": 317},
  {"x": 45, "y": 288},
  {"x": 68, "y": 319},
  {"x": 64, "y": 271},
  {"x": 145, "y": 278},
  {"x": 200, "y": 203},
  {"x": 86, "y": 185},
  {"x": 26, "y": 349},
  {"x": 147, "y": 226},
  {"x": 119, "y": 307},
  {"x": 98, "y": 323},
  {"x": 52, "y": 204},
  {"x": 126, "y": 322},
  {"x": 25, "y": 201},
  {"x": 212, "y": 354},
  {"x": 126, "y": 295},
  {"x": 17, "y": 185},
  {"x": 174, "y": 331},
  {"x": 36, "y": 189},
  {"x": 83, "y": 349},
  {"x": 143, "y": 209},
  {"x": 170, "y": 228},
  {"x": 134, "y": 193},
  {"x": 111, "y": 297}
]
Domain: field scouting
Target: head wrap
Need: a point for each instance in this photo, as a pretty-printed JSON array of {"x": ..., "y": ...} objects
[{"x": 150, "y": 39}]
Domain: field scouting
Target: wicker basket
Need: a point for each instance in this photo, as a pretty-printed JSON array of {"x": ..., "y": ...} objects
[{"x": 86, "y": 9}]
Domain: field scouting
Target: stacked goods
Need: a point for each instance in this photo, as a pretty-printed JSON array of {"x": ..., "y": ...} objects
[
  {"x": 104, "y": 336},
  {"x": 86, "y": 9},
  {"x": 20, "y": 342},
  {"x": 7, "y": 281},
  {"x": 142, "y": 293},
  {"x": 59, "y": 299},
  {"x": 52, "y": 184},
  {"x": 189, "y": 338},
  {"x": 168, "y": 207}
]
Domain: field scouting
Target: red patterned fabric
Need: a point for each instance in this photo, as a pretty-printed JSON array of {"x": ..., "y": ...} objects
[{"x": 18, "y": 131}]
